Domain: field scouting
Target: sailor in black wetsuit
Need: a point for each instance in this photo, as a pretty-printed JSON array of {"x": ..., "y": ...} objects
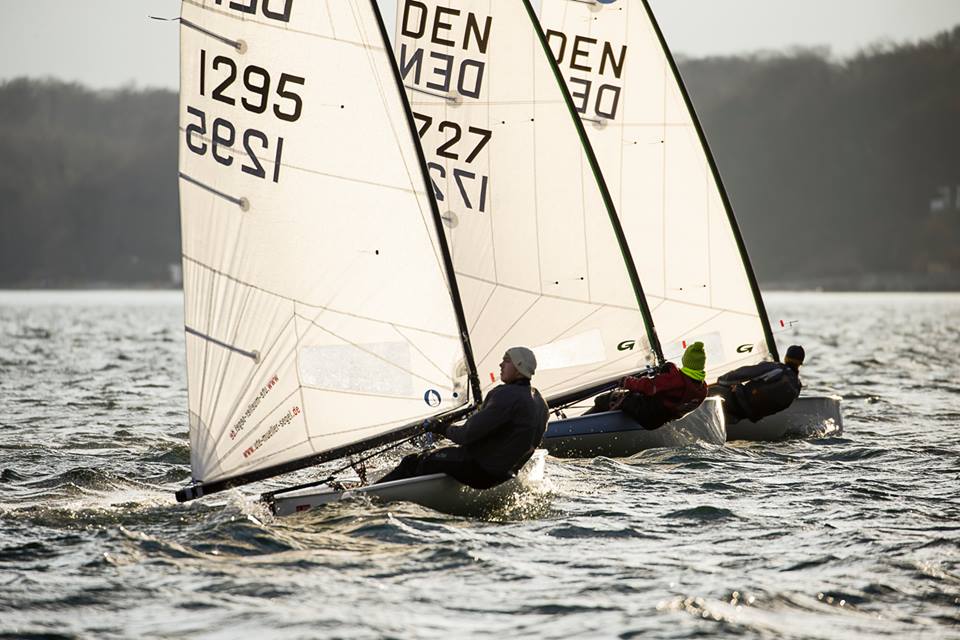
[
  {"x": 494, "y": 442},
  {"x": 760, "y": 390}
]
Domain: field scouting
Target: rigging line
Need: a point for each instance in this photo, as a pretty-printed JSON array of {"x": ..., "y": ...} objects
[
  {"x": 268, "y": 496},
  {"x": 587, "y": 149},
  {"x": 356, "y": 345},
  {"x": 199, "y": 489},
  {"x": 243, "y": 203},
  {"x": 435, "y": 210},
  {"x": 308, "y": 304},
  {"x": 549, "y": 296},
  {"x": 239, "y": 399},
  {"x": 253, "y": 355},
  {"x": 420, "y": 351}
]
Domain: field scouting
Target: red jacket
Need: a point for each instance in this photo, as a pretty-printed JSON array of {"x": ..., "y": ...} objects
[{"x": 677, "y": 393}]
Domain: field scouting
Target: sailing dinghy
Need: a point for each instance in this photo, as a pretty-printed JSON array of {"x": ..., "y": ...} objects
[
  {"x": 322, "y": 319},
  {"x": 676, "y": 215},
  {"x": 537, "y": 247}
]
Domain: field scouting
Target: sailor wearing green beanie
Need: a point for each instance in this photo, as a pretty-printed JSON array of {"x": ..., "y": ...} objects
[
  {"x": 664, "y": 394},
  {"x": 694, "y": 360}
]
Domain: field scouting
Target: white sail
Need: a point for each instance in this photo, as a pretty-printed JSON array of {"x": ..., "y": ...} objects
[
  {"x": 317, "y": 309},
  {"x": 657, "y": 167},
  {"x": 534, "y": 251}
]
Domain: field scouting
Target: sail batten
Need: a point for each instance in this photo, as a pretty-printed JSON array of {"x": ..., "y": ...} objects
[{"x": 320, "y": 317}]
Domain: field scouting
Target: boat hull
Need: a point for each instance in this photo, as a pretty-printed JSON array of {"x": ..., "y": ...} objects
[
  {"x": 807, "y": 416},
  {"x": 436, "y": 491},
  {"x": 615, "y": 435}
]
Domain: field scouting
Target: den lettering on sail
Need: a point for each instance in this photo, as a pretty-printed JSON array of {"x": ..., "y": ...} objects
[
  {"x": 442, "y": 56},
  {"x": 437, "y": 30},
  {"x": 596, "y": 67}
]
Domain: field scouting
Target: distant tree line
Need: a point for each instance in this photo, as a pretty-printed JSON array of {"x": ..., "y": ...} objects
[
  {"x": 837, "y": 169},
  {"x": 840, "y": 172},
  {"x": 88, "y": 185}
]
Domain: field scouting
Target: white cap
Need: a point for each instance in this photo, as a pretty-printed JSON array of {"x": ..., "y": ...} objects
[{"x": 524, "y": 360}]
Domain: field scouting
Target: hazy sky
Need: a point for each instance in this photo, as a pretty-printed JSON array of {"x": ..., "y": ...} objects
[{"x": 109, "y": 43}]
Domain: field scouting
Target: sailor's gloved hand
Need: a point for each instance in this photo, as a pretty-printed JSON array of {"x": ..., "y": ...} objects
[
  {"x": 435, "y": 426},
  {"x": 663, "y": 368}
]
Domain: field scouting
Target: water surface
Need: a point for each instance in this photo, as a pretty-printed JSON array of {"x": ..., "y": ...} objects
[{"x": 852, "y": 536}]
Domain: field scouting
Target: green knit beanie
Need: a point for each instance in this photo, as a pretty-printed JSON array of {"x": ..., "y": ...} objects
[{"x": 694, "y": 357}]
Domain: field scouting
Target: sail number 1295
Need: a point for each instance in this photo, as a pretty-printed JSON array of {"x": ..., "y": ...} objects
[{"x": 221, "y": 139}]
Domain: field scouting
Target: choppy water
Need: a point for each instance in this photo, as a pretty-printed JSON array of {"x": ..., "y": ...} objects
[{"x": 843, "y": 537}]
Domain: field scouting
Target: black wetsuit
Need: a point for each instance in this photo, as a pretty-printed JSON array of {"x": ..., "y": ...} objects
[
  {"x": 758, "y": 390},
  {"x": 493, "y": 443}
]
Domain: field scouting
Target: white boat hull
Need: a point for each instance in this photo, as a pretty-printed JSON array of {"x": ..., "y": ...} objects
[
  {"x": 437, "y": 491},
  {"x": 615, "y": 435},
  {"x": 808, "y": 416}
]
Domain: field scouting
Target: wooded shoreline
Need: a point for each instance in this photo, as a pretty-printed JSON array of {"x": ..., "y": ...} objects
[{"x": 844, "y": 175}]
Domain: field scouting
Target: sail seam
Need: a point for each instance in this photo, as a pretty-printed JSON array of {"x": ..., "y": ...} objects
[
  {"x": 420, "y": 351},
  {"x": 240, "y": 398},
  {"x": 543, "y": 295},
  {"x": 308, "y": 304}
]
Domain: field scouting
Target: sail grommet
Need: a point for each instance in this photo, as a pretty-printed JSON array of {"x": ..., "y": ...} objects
[{"x": 244, "y": 204}]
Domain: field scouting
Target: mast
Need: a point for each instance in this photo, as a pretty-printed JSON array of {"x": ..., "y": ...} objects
[
  {"x": 735, "y": 228},
  {"x": 435, "y": 211},
  {"x": 604, "y": 191}
]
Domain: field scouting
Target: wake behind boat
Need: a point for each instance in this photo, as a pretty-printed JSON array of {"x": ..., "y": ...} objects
[
  {"x": 807, "y": 417},
  {"x": 436, "y": 491},
  {"x": 614, "y": 434}
]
